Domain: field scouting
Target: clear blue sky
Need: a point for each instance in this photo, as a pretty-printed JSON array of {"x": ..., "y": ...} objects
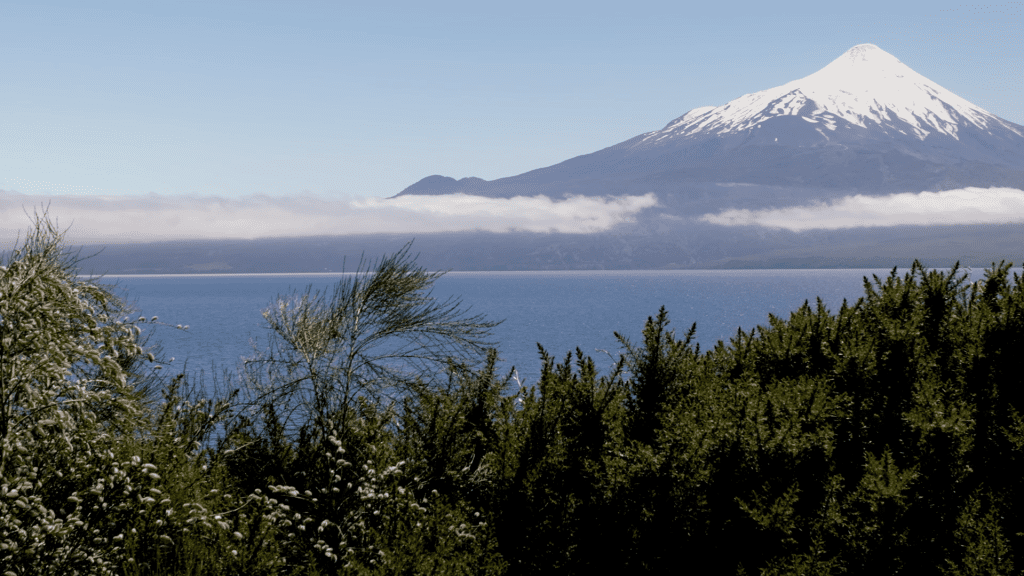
[{"x": 345, "y": 101}]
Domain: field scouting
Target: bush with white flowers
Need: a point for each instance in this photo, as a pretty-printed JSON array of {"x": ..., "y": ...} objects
[{"x": 65, "y": 351}]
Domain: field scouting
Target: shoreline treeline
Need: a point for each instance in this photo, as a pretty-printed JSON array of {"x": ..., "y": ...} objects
[{"x": 374, "y": 436}]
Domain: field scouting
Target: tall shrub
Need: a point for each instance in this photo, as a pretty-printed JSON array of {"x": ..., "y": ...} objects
[{"x": 65, "y": 395}]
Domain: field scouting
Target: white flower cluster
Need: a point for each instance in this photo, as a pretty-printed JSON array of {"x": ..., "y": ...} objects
[
  {"x": 66, "y": 509},
  {"x": 347, "y": 518}
]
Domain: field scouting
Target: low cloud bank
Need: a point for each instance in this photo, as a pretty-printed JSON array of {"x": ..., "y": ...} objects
[
  {"x": 963, "y": 206},
  {"x": 115, "y": 219}
]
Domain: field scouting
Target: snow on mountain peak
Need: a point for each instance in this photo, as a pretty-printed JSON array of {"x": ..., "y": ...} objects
[
  {"x": 864, "y": 53},
  {"x": 866, "y": 86},
  {"x": 689, "y": 116}
]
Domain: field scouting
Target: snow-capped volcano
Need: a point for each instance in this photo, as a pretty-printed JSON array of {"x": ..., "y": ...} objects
[
  {"x": 866, "y": 86},
  {"x": 865, "y": 123}
]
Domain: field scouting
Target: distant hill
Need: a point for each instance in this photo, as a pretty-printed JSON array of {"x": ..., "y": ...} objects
[{"x": 696, "y": 247}]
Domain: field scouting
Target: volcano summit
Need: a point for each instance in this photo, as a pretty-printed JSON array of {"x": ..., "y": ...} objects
[{"x": 864, "y": 124}]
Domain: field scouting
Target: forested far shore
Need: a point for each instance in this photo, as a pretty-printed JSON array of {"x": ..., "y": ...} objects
[
  {"x": 646, "y": 245},
  {"x": 374, "y": 435}
]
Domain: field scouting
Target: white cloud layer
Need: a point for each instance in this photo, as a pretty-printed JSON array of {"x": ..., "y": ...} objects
[
  {"x": 963, "y": 206},
  {"x": 115, "y": 219}
]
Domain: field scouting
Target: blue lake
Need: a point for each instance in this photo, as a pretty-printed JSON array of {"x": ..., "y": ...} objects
[{"x": 559, "y": 310}]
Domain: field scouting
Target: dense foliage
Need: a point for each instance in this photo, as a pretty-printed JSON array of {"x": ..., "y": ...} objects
[{"x": 374, "y": 436}]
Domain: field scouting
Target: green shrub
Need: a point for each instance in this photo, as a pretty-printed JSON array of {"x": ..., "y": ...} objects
[{"x": 374, "y": 437}]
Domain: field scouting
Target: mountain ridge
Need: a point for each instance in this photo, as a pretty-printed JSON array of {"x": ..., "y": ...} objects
[{"x": 865, "y": 123}]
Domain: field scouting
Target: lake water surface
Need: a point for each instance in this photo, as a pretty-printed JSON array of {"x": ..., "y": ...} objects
[{"x": 560, "y": 310}]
